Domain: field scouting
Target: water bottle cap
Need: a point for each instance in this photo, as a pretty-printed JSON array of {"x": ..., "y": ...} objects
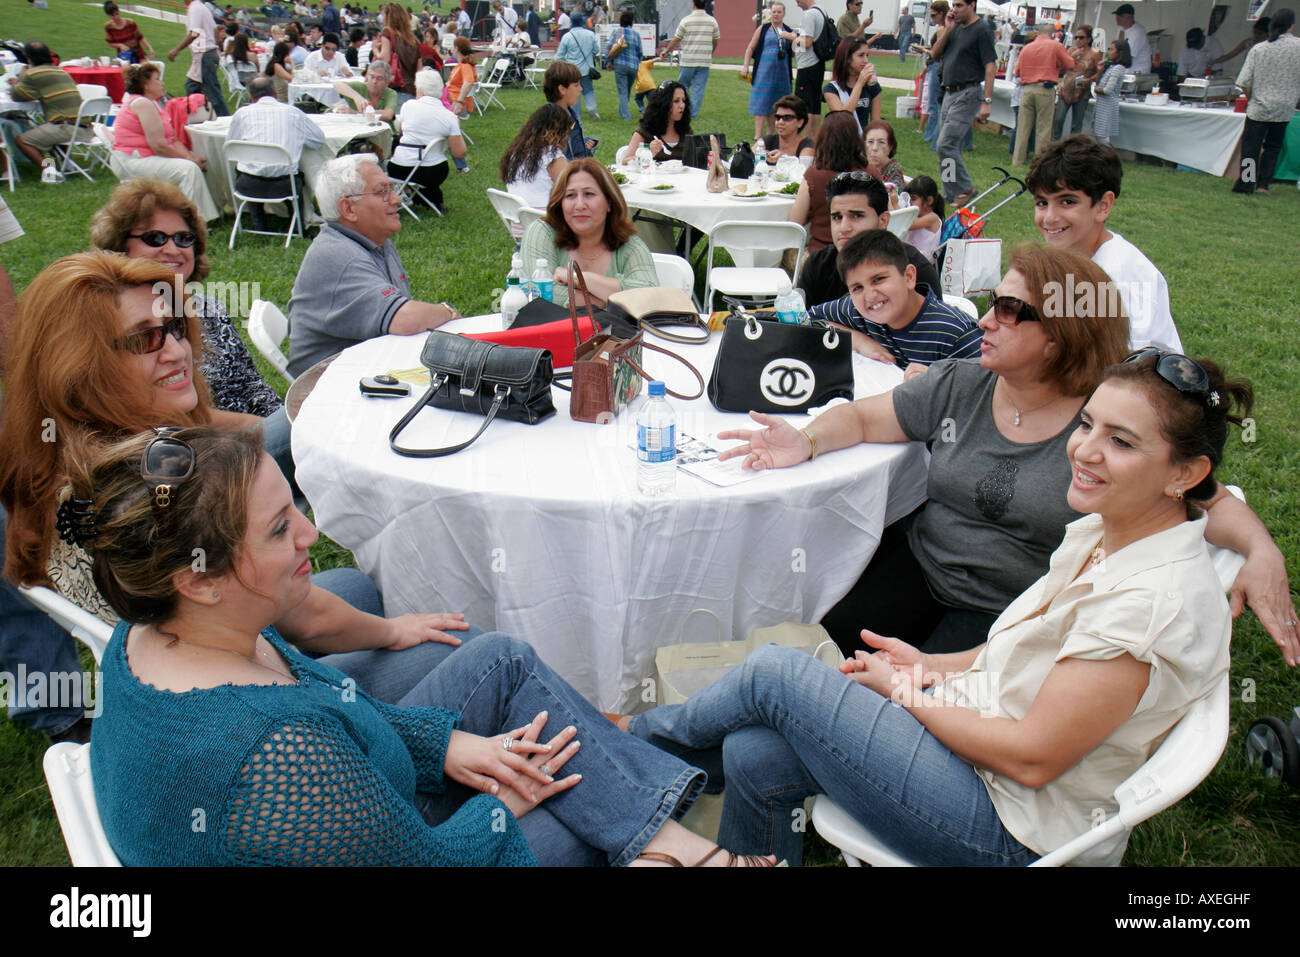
[{"x": 656, "y": 389}]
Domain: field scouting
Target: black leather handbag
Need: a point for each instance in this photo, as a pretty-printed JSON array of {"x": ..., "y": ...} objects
[
  {"x": 468, "y": 375},
  {"x": 776, "y": 367}
]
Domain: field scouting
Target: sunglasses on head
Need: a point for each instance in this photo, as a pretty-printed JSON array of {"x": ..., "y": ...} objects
[
  {"x": 1009, "y": 311},
  {"x": 166, "y": 463},
  {"x": 1182, "y": 372},
  {"x": 158, "y": 239},
  {"x": 151, "y": 340},
  {"x": 852, "y": 176}
]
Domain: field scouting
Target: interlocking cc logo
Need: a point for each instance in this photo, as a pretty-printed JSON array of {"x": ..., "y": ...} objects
[{"x": 787, "y": 382}]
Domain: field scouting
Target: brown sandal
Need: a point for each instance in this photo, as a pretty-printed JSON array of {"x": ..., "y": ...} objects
[{"x": 749, "y": 860}]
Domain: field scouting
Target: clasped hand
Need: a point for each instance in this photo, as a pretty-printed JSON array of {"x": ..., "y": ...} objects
[
  {"x": 523, "y": 776},
  {"x": 896, "y": 670}
]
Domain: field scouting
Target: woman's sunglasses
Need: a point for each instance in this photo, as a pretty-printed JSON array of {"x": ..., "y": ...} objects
[
  {"x": 1182, "y": 372},
  {"x": 151, "y": 340},
  {"x": 158, "y": 239},
  {"x": 166, "y": 463},
  {"x": 1009, "y": 311}
]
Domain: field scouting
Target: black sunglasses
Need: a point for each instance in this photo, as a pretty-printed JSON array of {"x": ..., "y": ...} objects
[
  {"x": 1009, "y": 311},
  {"x": 781, "y": 117},
  {"x": 151, "y": 340},
  {"x": 1182, "y": 372},
  {"x": 158, "y": 239},
  {"x": 166, "y": 463},
  {"x": 852, "y": 176}
]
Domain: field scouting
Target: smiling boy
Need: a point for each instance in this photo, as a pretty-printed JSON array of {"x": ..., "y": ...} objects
[
  {"x": 1075, "y": 182},
  {"x": 892, "y": 317}
]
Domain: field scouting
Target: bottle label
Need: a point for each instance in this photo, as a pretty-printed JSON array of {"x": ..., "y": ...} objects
[{"x": 656, "y": 443}]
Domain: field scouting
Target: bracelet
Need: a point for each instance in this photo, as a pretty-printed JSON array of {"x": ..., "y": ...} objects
[{"x": 812, "y": 441}]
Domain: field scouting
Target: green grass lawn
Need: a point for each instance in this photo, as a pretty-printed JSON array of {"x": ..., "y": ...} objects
[{"x": 1233, "y": 295}]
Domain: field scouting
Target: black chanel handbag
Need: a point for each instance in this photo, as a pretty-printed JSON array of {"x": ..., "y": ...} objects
[
  {"x": 467, "y": 375},
  {"x": 776, "y": 367}
]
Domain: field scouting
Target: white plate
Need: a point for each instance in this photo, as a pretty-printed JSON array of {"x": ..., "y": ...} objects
[
  {"x": 672, "y": 167},
  {"x": 659, "y": 188},
  {"x": 735, "y": 195}
]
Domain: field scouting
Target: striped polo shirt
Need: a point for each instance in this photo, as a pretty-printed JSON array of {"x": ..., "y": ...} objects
[
  {"x": 697, "y": 31},
  {"x": 56, "y": 90},
  {"x": 938, "y": 332}
]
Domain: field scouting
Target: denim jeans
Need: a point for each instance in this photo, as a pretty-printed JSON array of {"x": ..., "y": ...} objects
[
  {"x": 209, "y": 70},
  {"x": 624, "y": 78},
  {"x": 629, "y": 789},
  {"x": 391, "y": 675},
  {"x": 790, "y": 727},
  {"x": 960, "y": 107},
  {"x": 694, "y": 78},
  {"x": 1076, "y": 112},
  {"x": 904, "y": 41},
  {"x": 932, "y": 111},
  {"x": 588, "y": 97}
]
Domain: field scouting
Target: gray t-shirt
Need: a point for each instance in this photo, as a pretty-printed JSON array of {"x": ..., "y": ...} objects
[
  {"x": 347, "y": 290},
  {"x": 968, "y": 50},
  {"x": 996, "y": 508},
  {"x": 809, "y": 26}
]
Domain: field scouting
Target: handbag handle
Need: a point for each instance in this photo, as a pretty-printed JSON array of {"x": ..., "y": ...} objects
[
  {"x": 437, "y": 382},
  {"x": 649, "y": 378},
  {"x": 693, "y": 323},
  {"x": 575, "y": 274}
]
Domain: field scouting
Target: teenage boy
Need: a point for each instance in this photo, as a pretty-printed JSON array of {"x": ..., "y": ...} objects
[
  {"x": 562, "y": 85},
  {"x": 889, "y": 315},
  {"x": 1075, "y": 183},
  {"x": 858, "y": 202}
]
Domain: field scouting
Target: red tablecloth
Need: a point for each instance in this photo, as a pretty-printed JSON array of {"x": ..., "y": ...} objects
[{"x": 109, "y": 76}]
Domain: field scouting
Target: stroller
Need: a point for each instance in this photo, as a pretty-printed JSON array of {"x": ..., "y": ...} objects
[{"x": 966, "y": 223}]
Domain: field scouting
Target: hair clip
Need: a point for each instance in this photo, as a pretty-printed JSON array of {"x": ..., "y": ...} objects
[
  {"x": 1214, "y": 398},
  {"x": 75, "y": 521}
]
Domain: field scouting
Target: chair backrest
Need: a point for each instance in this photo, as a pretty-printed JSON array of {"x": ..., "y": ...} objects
[
  {"x": 676, "y": 272},
  {"x": 67, "y": 773},
  {"x": 95, "y": 107},
  {"x": 901, "y": 220},
  {"x": 499, "y": 69},
  {"x": 91, "y": 91},
  {"x": 507, "y": 206},
  {"x": 620, "y": 155},
  {"x": 232, "y": 76},
  {"x": 528, "y": 216},
  {"x": 468, "y": 92},
  {"x": 268, "y": 327},
  {"x": 733, "y": 235},
  {"x": 262, "y": 154},
  {"x": 81, "y": 624},
  {"x": 104, "y": 134},
  {"x": 962, "y": 303}
]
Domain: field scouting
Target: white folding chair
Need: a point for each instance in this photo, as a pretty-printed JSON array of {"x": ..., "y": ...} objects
[
  {"x": 91, "y": 91},
  {"x": 491, "y": 85},
  {"x": 620, "y": 155},
  {"x": 262, "y": 154},
  {"x": 962, "y": 303},
  {"x": 507, "y": 206},
  {"x": 234, "y": 84},
  {"x": 268, "y": 327},
  {"x": 469, "y": 92},
  {"x": 408, "y": 189},
  {"x": 528, "y": 216},
  {"x": 10, "y": 173},
  {"x": 901, "y": 220},
  {"x": 74, "y": 619},
  {"x": 67, "y": 773},
  {"x": 675, "y": 271},
  {"x": 94, "y": 109},
  {"x": 162, "y": 68},
  {"x": 1188, "y": 754},
  {"x": 752, "y": 282}
]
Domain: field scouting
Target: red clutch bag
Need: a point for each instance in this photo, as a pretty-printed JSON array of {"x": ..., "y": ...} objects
[{"x": 555, "y": 336}]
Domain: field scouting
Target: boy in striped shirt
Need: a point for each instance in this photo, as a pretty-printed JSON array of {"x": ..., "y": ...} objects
[{"x": 889, "y": 315}]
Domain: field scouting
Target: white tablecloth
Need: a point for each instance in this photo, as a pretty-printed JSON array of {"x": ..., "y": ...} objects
[
  {"x": 540, "y": 531},
  {"x": 339, "y": 129},
  {"x": 321, "y": 91},
  {"x": 692, "y": 203},
  {"x": 1203, "y": 138}
]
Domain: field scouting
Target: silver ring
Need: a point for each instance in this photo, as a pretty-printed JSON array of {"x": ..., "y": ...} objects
[
  {"x": 507, "y": 742},
  {"x": 1291, "y": 624},
  {"x": 546, "y": 769}
]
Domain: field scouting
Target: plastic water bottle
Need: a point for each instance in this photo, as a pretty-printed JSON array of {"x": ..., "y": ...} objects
[
  {"x": 517, "y": 271},
  {"x": 656, "y": 444},
  {"x": 645, "y": 161},
  {"x": 369, "y": 114},
  {"x": 760, "y": 152},
  {"x": 790, "y": 306},
  {"x": 544, "y": 280},
  {"x": 512, "y": 301}
]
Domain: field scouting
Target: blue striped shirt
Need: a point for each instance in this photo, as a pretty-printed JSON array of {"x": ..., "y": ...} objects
[{"x": 938, "y": 332}]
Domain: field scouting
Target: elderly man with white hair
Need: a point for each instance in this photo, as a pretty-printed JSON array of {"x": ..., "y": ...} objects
[
  {"x": 425, "y": 121},
  {"x": 352, "y": 285}
]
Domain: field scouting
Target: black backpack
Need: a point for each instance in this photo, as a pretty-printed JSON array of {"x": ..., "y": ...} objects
[{"x": 825, "y": 43}]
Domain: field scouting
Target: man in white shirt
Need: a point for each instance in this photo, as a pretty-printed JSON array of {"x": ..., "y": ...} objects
[
  {"x": 562, "y": 24},
  {"x": 1136, "y": 35},
  {"x": 205, "y": 57},
  {"x": 463, "y": 23},
  {"x": 1075, "y": 182},
  {"x": 266, "y": 120},
  {"x": 506, "y": 19},
  {"x": 809, "y": 67},
  {"x": 327, "y": 61}
]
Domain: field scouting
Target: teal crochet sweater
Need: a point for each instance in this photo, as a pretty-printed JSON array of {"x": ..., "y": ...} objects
[{"x": 312, "y": 773}]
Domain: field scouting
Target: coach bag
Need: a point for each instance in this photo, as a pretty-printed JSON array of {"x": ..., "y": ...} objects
[
  {"x": 466, "y": 375},
  {"x": 779, "y": 367}
]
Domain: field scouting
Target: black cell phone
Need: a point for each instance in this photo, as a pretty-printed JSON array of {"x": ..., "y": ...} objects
[{"x": 384, "y": 386}]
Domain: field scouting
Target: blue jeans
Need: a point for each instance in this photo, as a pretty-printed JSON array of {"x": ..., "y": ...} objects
[
  {"x": 932, "y": 110},
  {"x": 629, "y": 789},
  {"x": 960, "y": 107},
  {"x": 904, "y": 41},
  {"x": 624, "y": 78},
  {"x": 209, "y": 70},
  {"x": 588, "y": 97},
  {"x": 790, "y": 727},
  {"x": 694, "y": 78}
]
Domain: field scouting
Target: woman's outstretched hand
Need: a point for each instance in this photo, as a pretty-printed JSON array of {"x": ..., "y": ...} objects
[{"x": 777, "y": 446}]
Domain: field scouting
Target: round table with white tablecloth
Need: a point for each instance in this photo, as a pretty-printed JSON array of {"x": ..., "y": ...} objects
[
  {"x": 540, "y": 530},
  {"x": 322, "y": 91},
  {"x": 339, "y": 130}
]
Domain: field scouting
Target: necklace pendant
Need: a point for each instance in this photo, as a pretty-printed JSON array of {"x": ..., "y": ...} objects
[{"x": 1017, "y": 422}]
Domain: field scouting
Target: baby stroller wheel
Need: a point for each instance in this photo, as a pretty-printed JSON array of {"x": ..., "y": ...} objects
[{"x": 1272, "y": 747}]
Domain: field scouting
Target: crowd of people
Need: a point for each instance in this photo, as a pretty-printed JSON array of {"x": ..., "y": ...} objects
[{"x": 1043, "y": 619}]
